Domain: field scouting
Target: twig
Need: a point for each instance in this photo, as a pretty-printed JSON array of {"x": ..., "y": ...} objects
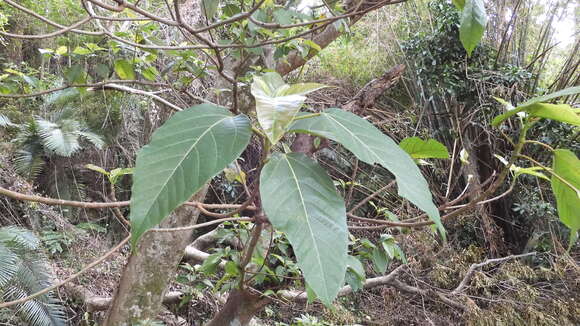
[
  {"x": 371, "y": 196},
  {"x": 201, "y": 225}
]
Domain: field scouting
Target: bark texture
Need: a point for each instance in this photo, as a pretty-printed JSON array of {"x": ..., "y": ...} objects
[
  {"x": 239, "y": 309},
  {"x": 143, "y": 284},
  {"x": 367, "y": 96}
]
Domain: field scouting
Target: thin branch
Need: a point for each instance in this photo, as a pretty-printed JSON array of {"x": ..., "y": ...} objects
[
  {"x": 471, "y": 271},
  {"x": 301, "y": 296},
  {"x": 144, "y": 93},
  {"x": 48, "y": 21},
  {"x": 97, "y": 205},
  {"x": 48, "y": 35},
  {"x": 93, "y": 85},
  {"x": 371, "y": 196},
  {"x": 201, "y": 225},
  {"x": 247, "y": 257}
]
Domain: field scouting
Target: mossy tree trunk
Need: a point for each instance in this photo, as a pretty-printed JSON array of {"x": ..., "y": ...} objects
[{"x": 150, "y": 268}]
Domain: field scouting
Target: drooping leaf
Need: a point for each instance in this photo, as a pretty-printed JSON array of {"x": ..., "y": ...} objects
[
  {"x": 419, "y": 148},
  {"x": 187, "y": 151},
  {"x": 125, "y": 69},
  {"x": 371, "y": 146},
  {"x": 473, "y": 22},
  {"x": 61, "y": 50},
  {"x": 277, "y": 103},
  {"x": 150, "y": 73},
  {"x": 300, "y": 200},
  {"x": 102, "y": 70},
  {"x": 210, "y": 265},
  {"x": 567, "y": 166},
  {"x": 355, "y": 264},
  {"x": 380, "y": 260},
  {"x": 82, "y": 51}
]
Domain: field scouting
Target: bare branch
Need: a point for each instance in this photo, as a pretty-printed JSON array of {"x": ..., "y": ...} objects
[
  {"x": 49, "y": 35},
  {"x": 471, "y": 271}
]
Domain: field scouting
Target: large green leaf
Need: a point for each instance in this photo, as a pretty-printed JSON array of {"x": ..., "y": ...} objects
[
  {"x": 372, "y": 146},
  {"x": 535, "y": 107},
  {"x": 300, "y": 200},
  {"x": 187, "y": 151},
  {"x": 567, "y": 166},
  {"x": 125, "y": 69},
  {"x": 277, "y": 102},
  {"x": 419, "y": 148},
  {"x": 559, "y": 112},
  {"x": 473, "y": 22}
]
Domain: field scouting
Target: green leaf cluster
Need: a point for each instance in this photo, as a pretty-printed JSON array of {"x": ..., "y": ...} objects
[{"x": 297, "y": 195}]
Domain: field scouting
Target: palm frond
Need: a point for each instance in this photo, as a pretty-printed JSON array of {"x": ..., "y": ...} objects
[
  {"x": 23, "y": 271},
  {"x": 8, "y": 267},
  {"x": 61, "y": 138},
  {"x": 62, "y": 98},
  {"x": 5, "y": 122},
  {"x": 29, "y": 162},
  {"x": 92, "y": 138}
]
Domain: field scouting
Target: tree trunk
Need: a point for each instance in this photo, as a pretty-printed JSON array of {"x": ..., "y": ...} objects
[{"x": 151, "y": 266}]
